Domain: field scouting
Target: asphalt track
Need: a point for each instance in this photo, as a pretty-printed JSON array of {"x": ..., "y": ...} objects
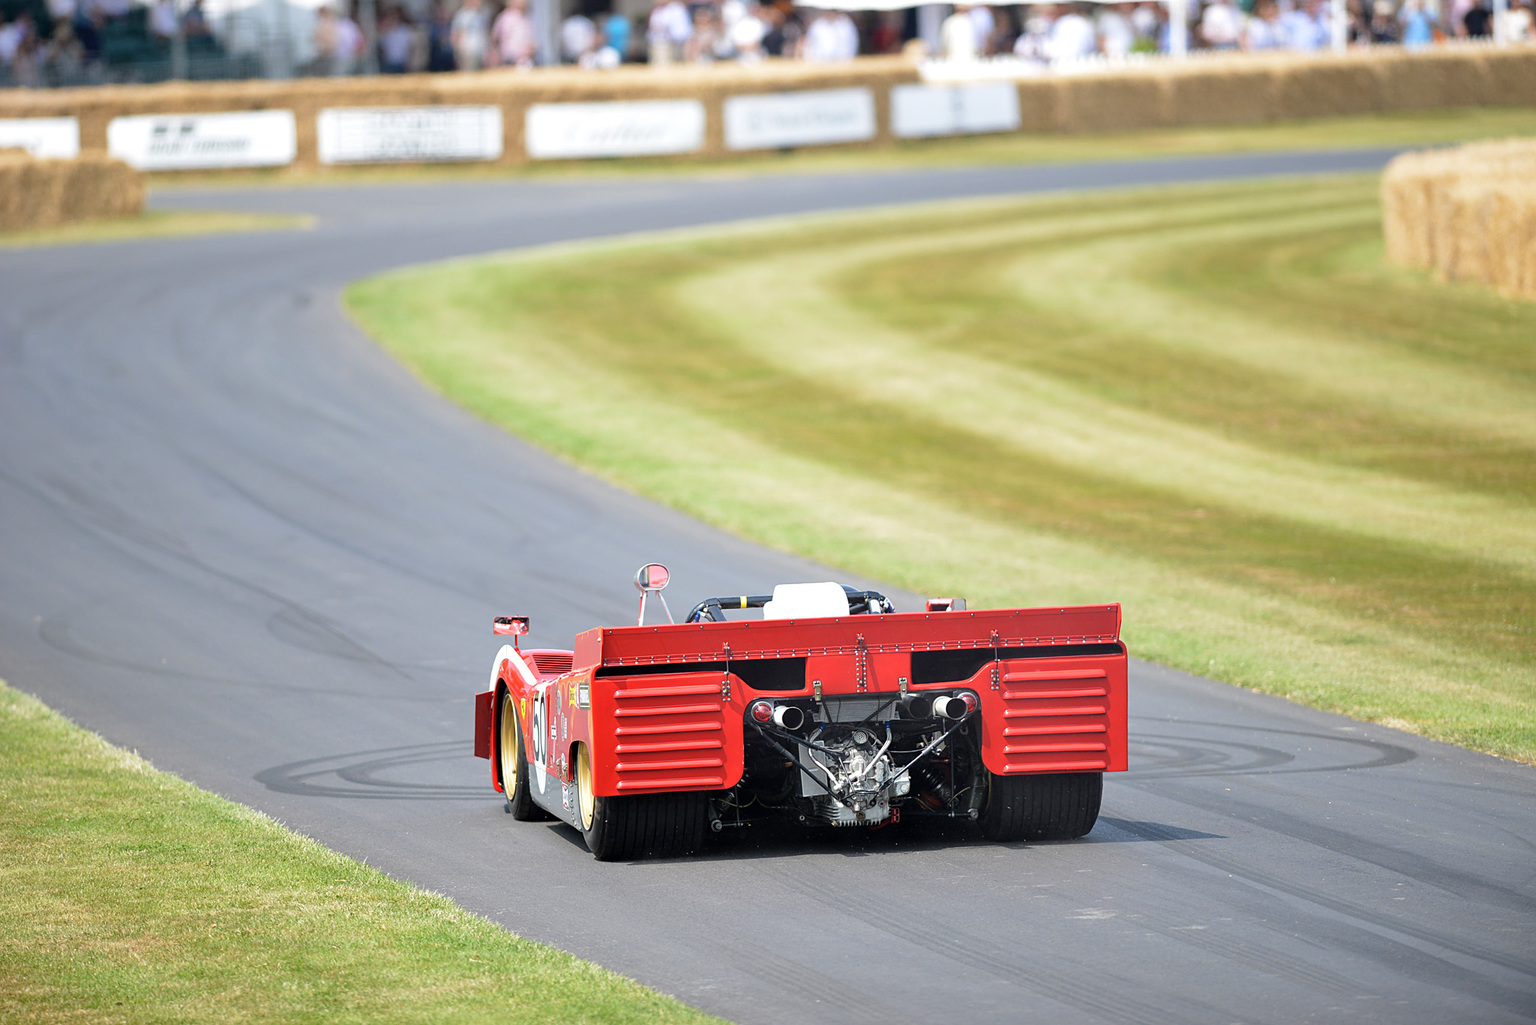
[{"x": 237, "y": 538}]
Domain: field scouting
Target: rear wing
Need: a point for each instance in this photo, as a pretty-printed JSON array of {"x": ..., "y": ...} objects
[{"x": 612, "y": 648}]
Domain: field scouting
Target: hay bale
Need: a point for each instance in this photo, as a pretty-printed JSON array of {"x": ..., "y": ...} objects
[
  {"x": 39, "y": 193},
  {"x": 1039, "y": 105},
  {"x": 1326, "y": 87},
  {"x": 1511, "y": 76},
  {"x": 1111, "y": 103},
  {"x": 1230, "y": 95},
  {"x": 1468, "y": 213}
]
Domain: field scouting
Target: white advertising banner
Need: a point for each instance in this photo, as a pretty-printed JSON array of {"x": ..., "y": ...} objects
[
  {"x": 819, "y": 118},
  {"x": 47, "y": 138},
  {"x": 184, "y": 142},
  {"x": 926, "y": 110},
  {"x": 382, "y": 135},
  {"x": 629, "y": 128}
]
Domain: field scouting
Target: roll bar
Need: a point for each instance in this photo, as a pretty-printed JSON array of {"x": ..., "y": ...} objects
[{"x": 859, "y": 603}]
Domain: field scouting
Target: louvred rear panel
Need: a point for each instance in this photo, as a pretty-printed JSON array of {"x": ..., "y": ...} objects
[
  {"x": 1055, "y": 715},
  {"x": 672, "y": 731}
]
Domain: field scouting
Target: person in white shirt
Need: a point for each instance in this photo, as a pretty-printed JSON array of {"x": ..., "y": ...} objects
[
  {"x": 669, "y": 28},
  {"x": 1305, "y": 30},
  {"x": 1264, "y": 31},
  {"x": 1072, "y": 37},
  {"x": 1517, "y": 24},
  {"x": 847, "y": 36},
  {"x": 469, "y": 35},
  {"x": 512, "y": 36},
  {"x": 1034, "y": 40},
  {"x": 577, "y": 36},
  {"x": 1221, "y": 25},
  {"x": 831, "y": 37},
  {"x": 163, "y": 22},
  {"x": 1116, "y": 36},
  {"x": 349, "y": 45},
  {"x": 958, "y": 35},
  {"x": 746, "y": 34},
  {"x": 11, "y": 36}
]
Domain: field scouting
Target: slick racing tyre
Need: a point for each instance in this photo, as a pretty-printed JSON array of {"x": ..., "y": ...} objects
[
  {"x": 1060, "y": 806},
  {"x": 631, "y": 826},
  {"x": 512, "y": 766}
]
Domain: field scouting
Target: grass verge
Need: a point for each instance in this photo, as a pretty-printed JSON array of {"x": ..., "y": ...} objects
[
  {"x": 131, "y": 895},
  {"x": 151, "y": 224},
  {"x": 1302, "y": 470},
  {"x": 1427, "y": 128}
]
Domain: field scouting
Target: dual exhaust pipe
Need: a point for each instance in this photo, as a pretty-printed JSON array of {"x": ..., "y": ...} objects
[
  {"x": 934, "y": 706},
  {"x": 913, "y": 706}
]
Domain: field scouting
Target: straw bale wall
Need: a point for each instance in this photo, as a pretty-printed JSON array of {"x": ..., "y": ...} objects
[
  {"x": 38, "y": 193},
  {"x": 1235, "y": 90},
  {"x": 1467, "y": 213}
]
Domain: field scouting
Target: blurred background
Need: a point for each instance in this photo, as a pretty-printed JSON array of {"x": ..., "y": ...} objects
[{"x": 51, "y": 43}]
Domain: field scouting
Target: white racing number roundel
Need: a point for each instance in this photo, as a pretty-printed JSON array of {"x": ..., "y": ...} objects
[{"x": 539, "y": 728}]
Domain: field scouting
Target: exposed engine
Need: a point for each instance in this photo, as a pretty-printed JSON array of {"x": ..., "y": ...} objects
[
  {"x": 857, "y": 760},
  {"x": 859, "y": 779}
]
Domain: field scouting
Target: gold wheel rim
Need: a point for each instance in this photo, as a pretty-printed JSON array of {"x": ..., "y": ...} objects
[
  {"x": 585, "y": 802},
  {"x": 511, "y": 745}
]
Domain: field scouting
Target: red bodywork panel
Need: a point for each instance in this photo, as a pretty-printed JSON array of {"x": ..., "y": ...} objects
[{"x": 654, "y": 730}]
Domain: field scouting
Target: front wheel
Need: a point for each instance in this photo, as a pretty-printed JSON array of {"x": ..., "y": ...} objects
[
  {"x": 512, "y": 766},
  {"x": 1054, "y": 806},
  {"x": 630, "y": 826}
]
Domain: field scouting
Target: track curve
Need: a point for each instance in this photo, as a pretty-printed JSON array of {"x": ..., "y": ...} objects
[{"x": 235, "y": 537}]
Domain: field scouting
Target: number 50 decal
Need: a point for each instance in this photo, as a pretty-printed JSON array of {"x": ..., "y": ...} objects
[{"x": 537, "y": 724}]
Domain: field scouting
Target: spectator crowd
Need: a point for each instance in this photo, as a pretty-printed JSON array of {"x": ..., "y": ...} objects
[{"x": 46, "y": 42}]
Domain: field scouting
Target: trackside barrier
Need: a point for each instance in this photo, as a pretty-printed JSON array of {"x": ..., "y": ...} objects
[
  {"x": 713, "y": 112},
  {"x": 40, "y": 193}
]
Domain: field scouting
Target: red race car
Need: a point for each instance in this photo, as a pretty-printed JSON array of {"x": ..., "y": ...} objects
[{"x": 831, "y": 709}]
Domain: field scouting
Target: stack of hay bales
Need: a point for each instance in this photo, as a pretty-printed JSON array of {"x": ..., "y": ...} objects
[
  {"x": 39, "y": 193},
  {"x": 1468, "y": 213}
]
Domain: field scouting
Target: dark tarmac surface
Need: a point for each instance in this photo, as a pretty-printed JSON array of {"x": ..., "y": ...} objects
[{"x": 236, "y": 537}]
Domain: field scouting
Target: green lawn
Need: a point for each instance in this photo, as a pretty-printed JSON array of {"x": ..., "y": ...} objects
[
  {"x": 128, "y": 895},
  {"x": 1301, "y": 470},
  {"x": 1424, "y": 128}
]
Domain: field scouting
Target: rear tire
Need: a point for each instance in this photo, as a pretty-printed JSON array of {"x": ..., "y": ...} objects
[
  {"x": 1060, "y": 806},
  {"x": 512, "y": 766},
  {"x": 631, "y": 826}
]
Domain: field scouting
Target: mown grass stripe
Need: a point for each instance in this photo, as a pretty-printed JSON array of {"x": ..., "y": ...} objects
[
  {"x": 982, "y": 317},
  {"x": 756, "y": 419},
  {"x": 782, "y": 312}
]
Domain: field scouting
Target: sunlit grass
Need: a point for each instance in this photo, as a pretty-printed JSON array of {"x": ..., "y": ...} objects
[
  {"x": 1301, "y": 470},
  {"x": 150, "y": 224},
  {"x": 128, "y": 895}
]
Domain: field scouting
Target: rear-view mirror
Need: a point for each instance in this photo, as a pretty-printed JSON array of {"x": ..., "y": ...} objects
[
  {"x": 510, "y": 626},
  {"x": 653, "y": 576}
]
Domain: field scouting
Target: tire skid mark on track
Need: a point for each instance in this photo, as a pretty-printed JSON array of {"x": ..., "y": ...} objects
[
  {"x": 361, "y": 769},
  {"x": 336, "y": 541},
  {"x": 1266, "y": 758},
  {"x": 1042, "y": 974},
  {"x": 1446, "y": 878},
  {"x": 310, "y": 631},
  {"x": 55, "y": 630},
  {"x": 1227, "y": 944},
  {"x": 854, "y": 1005},
  {"x": 1374, "y": 928}
]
